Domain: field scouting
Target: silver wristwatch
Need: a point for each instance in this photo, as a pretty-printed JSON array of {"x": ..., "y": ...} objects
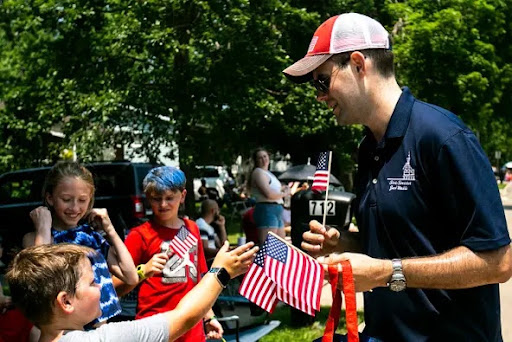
[{"x": 397, "y": 282}]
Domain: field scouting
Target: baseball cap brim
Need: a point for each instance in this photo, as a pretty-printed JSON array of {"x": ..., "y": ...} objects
[{"x": 302, "y": 70}]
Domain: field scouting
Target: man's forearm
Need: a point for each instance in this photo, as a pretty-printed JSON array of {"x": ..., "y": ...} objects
[{"x": 459, "y": 268}]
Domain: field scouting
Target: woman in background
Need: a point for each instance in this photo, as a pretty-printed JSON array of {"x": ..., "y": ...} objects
[{"x": 268, "y": 193}]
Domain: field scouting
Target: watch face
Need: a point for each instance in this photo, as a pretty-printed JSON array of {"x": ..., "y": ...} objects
[
  {"x": 223, "y": 276},
  {"x": 397, "y": 285}
]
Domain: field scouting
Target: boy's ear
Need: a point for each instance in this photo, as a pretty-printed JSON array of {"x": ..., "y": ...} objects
[
  {"x": 183, "y": 195},
  {"x": 64, "y": 302}
]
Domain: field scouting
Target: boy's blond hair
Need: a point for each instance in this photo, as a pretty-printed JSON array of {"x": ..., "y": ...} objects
[{"x": 37, "y": 275}]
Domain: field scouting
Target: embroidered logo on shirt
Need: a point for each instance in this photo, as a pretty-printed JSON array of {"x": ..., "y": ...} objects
[{"x": 408, "y": 176}]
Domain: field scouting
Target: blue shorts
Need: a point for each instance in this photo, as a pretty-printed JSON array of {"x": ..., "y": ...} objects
[{"x": 268, "y": 215}]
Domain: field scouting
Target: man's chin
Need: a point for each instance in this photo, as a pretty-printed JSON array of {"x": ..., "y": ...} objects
[{"x": 339, "y": 119}]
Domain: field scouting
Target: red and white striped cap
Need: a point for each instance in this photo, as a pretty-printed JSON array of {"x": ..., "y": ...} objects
[{"x": 341, "y": 33}]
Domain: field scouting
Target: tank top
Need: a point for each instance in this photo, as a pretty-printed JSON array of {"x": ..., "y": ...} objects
[{"x": 274, "y": 184}]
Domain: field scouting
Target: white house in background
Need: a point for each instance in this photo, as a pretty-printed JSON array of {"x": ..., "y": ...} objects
[{"x": 131, "y": 149}]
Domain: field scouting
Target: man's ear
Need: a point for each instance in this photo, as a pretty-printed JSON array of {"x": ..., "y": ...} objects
[
  {"x": 64, "y": 302},
  {"x": 358, "y": 61}
]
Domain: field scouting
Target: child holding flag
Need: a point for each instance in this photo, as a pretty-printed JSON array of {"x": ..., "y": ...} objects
[{"x": 170, "y": 260}]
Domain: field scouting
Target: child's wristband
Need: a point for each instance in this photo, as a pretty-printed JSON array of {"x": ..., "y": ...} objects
[
  {"x": 206, "y": 321},
  {"x": 140, "y": 272}
]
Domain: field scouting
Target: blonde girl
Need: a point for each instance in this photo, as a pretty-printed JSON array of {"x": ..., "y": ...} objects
[{"x": 68, "y": 216}]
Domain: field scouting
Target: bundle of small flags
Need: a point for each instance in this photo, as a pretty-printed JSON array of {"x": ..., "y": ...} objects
[{"x": 282, "y": 272}]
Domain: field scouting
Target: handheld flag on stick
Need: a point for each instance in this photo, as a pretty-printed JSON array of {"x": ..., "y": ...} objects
[
  {"x": 182, "y": 242},
  {"x": 321, "y": 178},
  {"x": 323, "y": 170},
  {"x": 281, "y": 271}
]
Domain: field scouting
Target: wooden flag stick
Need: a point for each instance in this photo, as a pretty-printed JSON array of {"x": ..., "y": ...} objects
[{"x": 327, "y": 189}]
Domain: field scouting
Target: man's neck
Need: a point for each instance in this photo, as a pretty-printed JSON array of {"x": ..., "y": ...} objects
[
  {"x": 384, "y": 99},
  {"x": 208, "y": 219}
]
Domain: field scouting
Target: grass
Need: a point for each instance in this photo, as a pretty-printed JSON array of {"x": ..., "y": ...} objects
[
  {"x": 233, "y": 225},
  {"x": 287, "y": 332}
]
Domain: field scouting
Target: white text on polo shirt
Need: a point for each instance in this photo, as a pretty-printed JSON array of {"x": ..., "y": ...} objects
[{"x": 408, "y": 175}]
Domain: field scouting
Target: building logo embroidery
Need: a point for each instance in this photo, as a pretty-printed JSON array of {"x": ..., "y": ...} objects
[{"x": 408, "y": 176}]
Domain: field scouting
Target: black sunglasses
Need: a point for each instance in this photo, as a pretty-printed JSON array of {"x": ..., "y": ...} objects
[{"x": 322, "y": 84}]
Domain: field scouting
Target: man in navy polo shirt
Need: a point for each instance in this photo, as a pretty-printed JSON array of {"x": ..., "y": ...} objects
[{"x": 433, "y": 241}]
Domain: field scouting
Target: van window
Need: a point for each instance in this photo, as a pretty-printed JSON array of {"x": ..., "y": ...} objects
[
  {"x": 141, "y": 172},
  {"x": 22, "y": 187},
  {"x": 112, "y": 180},
  {"x": 16, "y": 191}
]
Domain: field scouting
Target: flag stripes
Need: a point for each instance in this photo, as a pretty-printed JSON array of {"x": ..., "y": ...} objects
[
  {"x": 281, "y": 272},
  {"x": 182, "y": 242},
  {"x": 321, "y": 177}
]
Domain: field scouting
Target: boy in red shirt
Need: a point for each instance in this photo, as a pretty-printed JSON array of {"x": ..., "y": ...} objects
[{"x": 168, "y": 271}]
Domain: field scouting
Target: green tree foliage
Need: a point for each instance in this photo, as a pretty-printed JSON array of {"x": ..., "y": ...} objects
[
  {"x": 455, "y": 54},
  {"x": 207, "y": 75}
]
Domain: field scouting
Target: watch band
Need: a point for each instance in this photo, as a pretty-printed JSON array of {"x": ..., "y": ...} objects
[
  {"x": 397, "y": 265},
  {"x": 221, "y": 274},
  {"x": 140, "y": 272},
  {"x": 397, "y": 282},
  {"x": 206, "y": 321}
]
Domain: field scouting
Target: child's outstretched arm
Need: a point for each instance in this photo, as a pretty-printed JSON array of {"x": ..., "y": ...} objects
[
  {"x": 42, "y": 219},
  {"x": 201, "y": 298},
  {"x": 119, "y": 260}
]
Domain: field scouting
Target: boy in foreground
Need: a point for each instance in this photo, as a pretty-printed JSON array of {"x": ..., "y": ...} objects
[{"x": 70, "y": 298}]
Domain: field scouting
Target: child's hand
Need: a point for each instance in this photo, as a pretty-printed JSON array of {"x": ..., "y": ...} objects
[
  {"x": 156, "y": 264},
  {"x": 213, "y": 330},
  {"x": 42, "y": 218},
  {"x": 238, "y": 260},
  {"x": 100, "y": 220}
]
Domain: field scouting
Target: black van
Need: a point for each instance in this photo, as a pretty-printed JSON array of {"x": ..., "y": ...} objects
[{"x": 118, "y": 188}]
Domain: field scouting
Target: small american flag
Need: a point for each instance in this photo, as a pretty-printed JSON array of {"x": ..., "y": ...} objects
[
  {"x": 257, "y": 286},
  {"x": 281, "y": 272},
  {"x": 182, "y": 242},
  {"x": 321, "y": 178},
  {"x": 298, "y": 275}
]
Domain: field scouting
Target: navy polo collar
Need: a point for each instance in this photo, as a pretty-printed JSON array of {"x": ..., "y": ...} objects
[{"x": 397, "y": 126}]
